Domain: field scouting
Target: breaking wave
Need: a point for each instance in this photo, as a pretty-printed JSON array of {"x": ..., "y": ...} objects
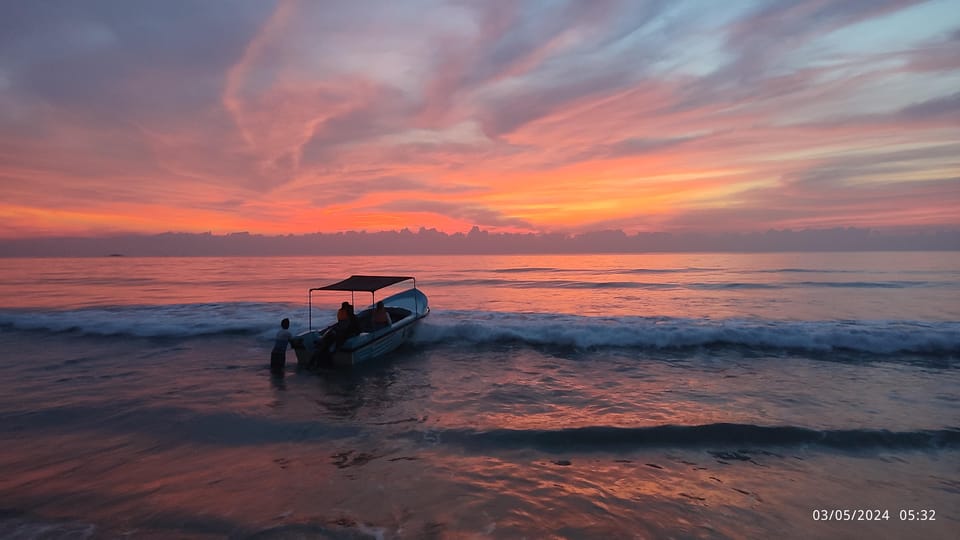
[
  {"x": 176, "y": 320},
  {"x": 260, "y": 319},
  {"x": 538, "y": 329}
]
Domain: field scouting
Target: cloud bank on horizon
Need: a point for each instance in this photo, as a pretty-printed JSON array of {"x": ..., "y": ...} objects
[{"x": 565, "y": 116}]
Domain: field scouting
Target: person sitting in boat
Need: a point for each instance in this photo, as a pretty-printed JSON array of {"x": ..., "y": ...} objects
[
  {"x": 347, "y": 323},
  {"x": 381, "y": 317},
  {"x": 345, "y": 312}
]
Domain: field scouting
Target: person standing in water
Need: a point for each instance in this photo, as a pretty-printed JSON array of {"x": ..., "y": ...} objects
[{"x": 278, "y": 358}]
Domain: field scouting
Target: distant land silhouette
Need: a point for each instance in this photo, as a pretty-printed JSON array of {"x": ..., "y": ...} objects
[{"x": 477, "y": 241}]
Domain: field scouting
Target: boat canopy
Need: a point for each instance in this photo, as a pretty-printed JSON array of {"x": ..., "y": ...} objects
[{"x": 363, "y": 283}]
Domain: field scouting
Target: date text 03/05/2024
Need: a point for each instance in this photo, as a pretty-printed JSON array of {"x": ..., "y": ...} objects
[{"x": 874, "y": 514}]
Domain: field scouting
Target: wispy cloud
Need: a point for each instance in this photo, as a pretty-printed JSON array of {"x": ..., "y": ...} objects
[{"x": 472, "y": 213}]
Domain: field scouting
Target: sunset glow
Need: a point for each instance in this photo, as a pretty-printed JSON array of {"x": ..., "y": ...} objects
[{"x": 298, "y": 117}]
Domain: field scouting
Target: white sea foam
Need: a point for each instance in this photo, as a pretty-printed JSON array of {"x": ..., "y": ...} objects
[
  {"x": 877, "y": 337},
  {"x": 28, "y": 529},
  {"x": 177, "y": 320},
  {"x": 536, "y": 329}
]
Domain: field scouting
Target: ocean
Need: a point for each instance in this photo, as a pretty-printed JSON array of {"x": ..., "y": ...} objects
[{"x": 787, "y": 395}]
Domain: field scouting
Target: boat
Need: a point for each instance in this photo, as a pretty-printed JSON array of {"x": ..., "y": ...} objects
[{"x": 331, "y": 346}]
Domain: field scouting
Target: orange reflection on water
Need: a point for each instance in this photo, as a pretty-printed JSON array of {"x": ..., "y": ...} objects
[
  {"x": 598, "y": 495},
  {"x": 524, "y": 389},
  {"x": 597, "y": 285},
  {"x": 137, "y": 484}
]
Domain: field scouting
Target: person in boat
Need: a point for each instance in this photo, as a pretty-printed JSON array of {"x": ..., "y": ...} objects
[
  {"x": 381, "y": 317},
  {"x": 345, "y": 312},
  {"x": 278, "y": 358},
  {"x": 347, "y": 323}
]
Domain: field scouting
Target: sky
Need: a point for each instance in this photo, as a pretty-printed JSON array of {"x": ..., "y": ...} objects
[{"x": 286, "y": 117}]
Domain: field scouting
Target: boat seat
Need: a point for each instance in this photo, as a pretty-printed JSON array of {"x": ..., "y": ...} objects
[
  {"x": 397, "y": 313},
  {"x": 365, "y": 317}
]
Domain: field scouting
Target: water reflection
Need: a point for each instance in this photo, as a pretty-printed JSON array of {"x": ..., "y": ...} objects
[
  {"x": 278, "y": 381},
  {"x": 809, "y": 286},
  {"x": 362, "y": 393}
]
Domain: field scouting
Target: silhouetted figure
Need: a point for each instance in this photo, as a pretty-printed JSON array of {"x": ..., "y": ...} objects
[
  {"x": 347, "y": 323},
  {"x": 345, "y": 312},
  {"x": 278, "y": 358},
  {"x": 381, "y": 317}
]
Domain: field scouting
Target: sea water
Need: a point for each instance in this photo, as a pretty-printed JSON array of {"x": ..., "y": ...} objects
[{"x": 812, "y": 395}]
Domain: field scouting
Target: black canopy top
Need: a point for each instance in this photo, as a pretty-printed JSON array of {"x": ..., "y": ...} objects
[{"x": 363, "y": 283}]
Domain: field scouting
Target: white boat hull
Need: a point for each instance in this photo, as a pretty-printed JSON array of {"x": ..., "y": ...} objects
[{"x": 367, "y": 345}]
